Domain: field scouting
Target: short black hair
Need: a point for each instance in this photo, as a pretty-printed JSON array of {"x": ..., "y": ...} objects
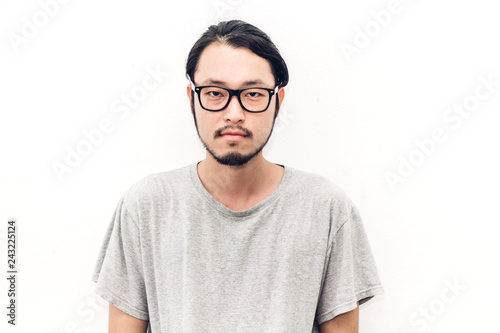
[{"x": 237, "y": 33}]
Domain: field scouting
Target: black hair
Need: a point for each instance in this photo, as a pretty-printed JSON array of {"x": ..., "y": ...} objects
[{"x": 238, "y": 33}]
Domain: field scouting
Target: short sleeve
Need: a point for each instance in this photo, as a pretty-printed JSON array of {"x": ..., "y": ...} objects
[
  {"x": 351, "y": 274},
  {"x": 119, "y": 268}
]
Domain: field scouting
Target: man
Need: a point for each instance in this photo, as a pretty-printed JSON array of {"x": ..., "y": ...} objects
[{"x": 235, "y": 243}]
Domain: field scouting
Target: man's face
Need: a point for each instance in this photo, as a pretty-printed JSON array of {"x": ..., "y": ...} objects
[{"x": 233, "y": 68}]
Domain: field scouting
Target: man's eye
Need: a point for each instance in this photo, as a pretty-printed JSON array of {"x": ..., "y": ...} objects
[
  {"x": 254, "y": 94},
  {"x": 215, "y": 94}
]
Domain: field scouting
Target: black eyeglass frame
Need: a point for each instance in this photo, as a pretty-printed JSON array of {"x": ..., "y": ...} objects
[{"x": 233, "y": 92}]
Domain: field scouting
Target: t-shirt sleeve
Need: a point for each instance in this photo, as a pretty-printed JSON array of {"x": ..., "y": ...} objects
[
  {"x": 351, "y": 274},
  {"x": 119, "y": 268}
]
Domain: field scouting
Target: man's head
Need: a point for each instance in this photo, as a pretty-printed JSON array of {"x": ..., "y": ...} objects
[{"x": 235, "y": 55}]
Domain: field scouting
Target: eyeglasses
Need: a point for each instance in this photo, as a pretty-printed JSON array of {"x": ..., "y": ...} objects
[{"x": 214, "y": 98}]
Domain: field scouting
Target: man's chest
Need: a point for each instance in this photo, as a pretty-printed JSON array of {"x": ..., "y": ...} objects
[{"x": 212, "y": 269}]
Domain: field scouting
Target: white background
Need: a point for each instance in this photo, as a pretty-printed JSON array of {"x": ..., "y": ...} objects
[{"x": 350, "y": 118}]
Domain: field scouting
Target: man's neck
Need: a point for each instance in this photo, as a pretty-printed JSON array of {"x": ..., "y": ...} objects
[{"x": 240, "y": 186}]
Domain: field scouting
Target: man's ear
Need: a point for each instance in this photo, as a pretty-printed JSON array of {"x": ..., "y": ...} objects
[
  {"x": 281, "y": 94},
  {"x": 190, "y": 95}
]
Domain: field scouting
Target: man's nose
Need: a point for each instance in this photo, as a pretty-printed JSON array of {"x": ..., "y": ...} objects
[{"x": 234, "y": 112}]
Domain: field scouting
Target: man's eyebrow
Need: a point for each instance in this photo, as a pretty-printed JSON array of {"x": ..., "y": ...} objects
[{"x": 223, "y": 83}]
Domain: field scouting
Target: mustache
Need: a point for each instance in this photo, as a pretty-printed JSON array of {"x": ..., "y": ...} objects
[{"x": 238, "y": 127}]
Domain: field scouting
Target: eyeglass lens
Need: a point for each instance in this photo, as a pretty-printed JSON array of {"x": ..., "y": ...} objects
[{"x": 254, "y": 99}]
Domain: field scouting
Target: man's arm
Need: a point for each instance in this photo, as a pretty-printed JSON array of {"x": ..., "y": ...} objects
[
  {"x": 343, "y": 323},
  {"x": 121, "y": 322}
]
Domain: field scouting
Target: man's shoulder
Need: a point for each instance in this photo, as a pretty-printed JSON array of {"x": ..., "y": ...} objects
[
  {"x": 317, "y": 185},
  {"x": 159, "y": 183},
  {"x": 321, "y": 193}
]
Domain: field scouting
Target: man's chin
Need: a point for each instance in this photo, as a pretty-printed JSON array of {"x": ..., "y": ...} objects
[{"x": 233, "y": 159}]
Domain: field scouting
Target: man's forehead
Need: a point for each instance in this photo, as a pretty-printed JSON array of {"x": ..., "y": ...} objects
[
  {"x": 224, "y": 83},
  {"x": 223, "y": 64}
]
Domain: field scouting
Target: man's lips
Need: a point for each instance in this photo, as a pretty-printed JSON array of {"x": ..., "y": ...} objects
[{"x": 233, "y": 135}]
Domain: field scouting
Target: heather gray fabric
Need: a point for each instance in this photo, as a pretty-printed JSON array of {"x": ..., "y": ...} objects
[{"x": 177, "y": 257}]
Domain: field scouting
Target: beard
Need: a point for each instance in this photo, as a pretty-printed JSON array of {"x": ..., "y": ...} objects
[{"x": 233, "y": 158}]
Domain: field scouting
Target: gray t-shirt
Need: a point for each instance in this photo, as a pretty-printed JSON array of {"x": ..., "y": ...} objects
[{"x": 177, "y": 257}]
